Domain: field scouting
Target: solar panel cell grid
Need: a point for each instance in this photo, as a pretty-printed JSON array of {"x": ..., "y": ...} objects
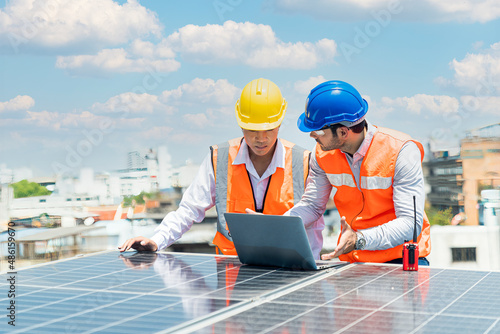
[{"x": 169, "y": 292}]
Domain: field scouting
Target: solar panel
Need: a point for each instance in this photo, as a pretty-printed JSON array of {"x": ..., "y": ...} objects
[{"x": 180, "y": 292}]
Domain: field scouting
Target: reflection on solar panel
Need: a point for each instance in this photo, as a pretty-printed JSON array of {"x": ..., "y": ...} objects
[{"x": 180, "y": 292}]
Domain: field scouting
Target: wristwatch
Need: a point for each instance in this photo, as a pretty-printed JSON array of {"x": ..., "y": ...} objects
[{"x": 360, "y": 241}]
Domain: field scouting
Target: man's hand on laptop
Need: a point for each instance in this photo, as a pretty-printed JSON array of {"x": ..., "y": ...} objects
[
  {"x": 247, "y": 210},
  {"x": 140, "y": 244},
  {"x": 346, "y": 243}
]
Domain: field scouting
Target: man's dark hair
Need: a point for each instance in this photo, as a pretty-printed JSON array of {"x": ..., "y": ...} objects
[{"x": 358, "y": 128}]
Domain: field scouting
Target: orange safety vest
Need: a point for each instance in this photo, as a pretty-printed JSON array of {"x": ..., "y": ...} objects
[
  {"x": 371, "y": 204},
  {"x": 233, "y": 188}
]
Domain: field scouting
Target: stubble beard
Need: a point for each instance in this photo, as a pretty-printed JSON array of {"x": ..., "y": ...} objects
[{"x": 333, "y": 145}]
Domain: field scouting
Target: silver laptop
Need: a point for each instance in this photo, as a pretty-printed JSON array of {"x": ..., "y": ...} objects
[{"x": 278, "y": 241}]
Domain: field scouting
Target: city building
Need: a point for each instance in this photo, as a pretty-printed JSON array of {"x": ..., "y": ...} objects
[
  {"x": 456, "y": 178},
  {"x": 6, "y": 195},
  {"x": 480, "y": 152},
  {"x": 135, "y": 160},
  {"x": 150, "y": 172},
  {"x": 443, "y": 177}
]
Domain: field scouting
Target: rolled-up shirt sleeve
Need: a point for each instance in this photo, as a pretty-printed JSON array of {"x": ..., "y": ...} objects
[
  {"x": 313, "y": 202},
  {"x": 198, "y": 198},
  {"x": 408, "y": 182}
]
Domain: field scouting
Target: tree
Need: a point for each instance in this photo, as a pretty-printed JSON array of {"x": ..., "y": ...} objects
[
  {"x": 137, "y": 199},
  {"x": 439, "y": 217},
  {"x": 24, "y": 188}
]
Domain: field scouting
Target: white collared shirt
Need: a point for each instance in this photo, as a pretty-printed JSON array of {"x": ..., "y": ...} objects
[
  {"x": 259, "y": 183},
  {"x": 200, "y": 196}
]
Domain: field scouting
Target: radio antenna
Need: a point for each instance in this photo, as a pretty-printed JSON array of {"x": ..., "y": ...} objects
[{"x": 415, "y": 217}]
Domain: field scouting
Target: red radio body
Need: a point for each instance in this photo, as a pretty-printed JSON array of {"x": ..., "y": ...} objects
[{"x": 410, "y": 256}]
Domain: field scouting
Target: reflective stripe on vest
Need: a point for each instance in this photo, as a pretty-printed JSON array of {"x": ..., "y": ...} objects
[
  {"x": 372, "y": 203},
  {"x": 367, "y": 182},
  {"x": 285, "y": 187},
  {"x": 375, "y": 182},
  {"x": 221, "y": 188},
  {"x": 339, "y": 180},
  {"x": 298, "y": 172}
]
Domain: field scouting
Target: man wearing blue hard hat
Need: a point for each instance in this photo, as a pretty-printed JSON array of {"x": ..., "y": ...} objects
[{"x": 373, "y": 173}]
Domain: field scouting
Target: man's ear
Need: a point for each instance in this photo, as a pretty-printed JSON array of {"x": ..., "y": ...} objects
[{"x": 343, "y": 131}]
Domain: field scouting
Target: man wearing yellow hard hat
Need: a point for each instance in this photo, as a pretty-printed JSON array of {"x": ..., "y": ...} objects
[{"x": 258, "y": 171}]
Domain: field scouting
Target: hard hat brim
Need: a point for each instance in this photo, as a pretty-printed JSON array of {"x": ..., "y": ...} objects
[
  {"x": 301, "y": 123},
  {"x": 259, "y": 126}
]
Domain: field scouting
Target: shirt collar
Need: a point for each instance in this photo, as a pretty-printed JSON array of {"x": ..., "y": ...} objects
[{"x": 278, "y": 161}]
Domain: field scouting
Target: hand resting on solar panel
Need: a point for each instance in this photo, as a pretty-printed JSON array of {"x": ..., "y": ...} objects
[{"x": 140, "y": 244}]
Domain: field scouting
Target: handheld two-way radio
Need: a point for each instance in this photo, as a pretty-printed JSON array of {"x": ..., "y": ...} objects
[{"x": 410, "y": 249}]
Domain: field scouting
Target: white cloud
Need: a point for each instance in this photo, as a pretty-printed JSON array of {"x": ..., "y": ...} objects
[
  {"x": 77, "y": 121},
  {"x": 477, "y": 74},
  {"x": 202, "y": 91},
  {"x": 119, "y": 60},
  {"x": 489, "y": 105},
  {"x": 304, "y": 87},
  {"x": 227, "y": 110},
  {"x": 383, "y": 11},
  {"x": 20, "y": 102},
  {"x": 378, "y": 111},
  {"x": 156, "y": 132},
  {"x": 149, "y": 50},
  {"x": 421, "y": 102},
  {"x": 198, "y": 120},
  {"x": 132, "y": 103},
  {"x": 44, "y": 119},
  {"x": 201, "y": 103},
  {"x": 246, "y": 43},
  {"x": 466, "y": 11},
  {"x": 186, "y": 138},
  {"x": 81, "y": 23},
  {"x": 252, "y": 44}
]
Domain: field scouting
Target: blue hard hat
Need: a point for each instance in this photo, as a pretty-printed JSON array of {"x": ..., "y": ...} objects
[{"x": 332, "y": 102}]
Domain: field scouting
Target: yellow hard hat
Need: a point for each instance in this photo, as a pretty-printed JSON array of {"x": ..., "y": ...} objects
[{"x": 261, "y": 106}]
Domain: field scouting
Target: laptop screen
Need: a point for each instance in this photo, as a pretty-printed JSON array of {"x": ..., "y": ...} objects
[{"x": 270, "y": 240}]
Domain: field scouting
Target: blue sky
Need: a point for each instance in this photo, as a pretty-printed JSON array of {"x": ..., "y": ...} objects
[{"x": 84, "y": 82}]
